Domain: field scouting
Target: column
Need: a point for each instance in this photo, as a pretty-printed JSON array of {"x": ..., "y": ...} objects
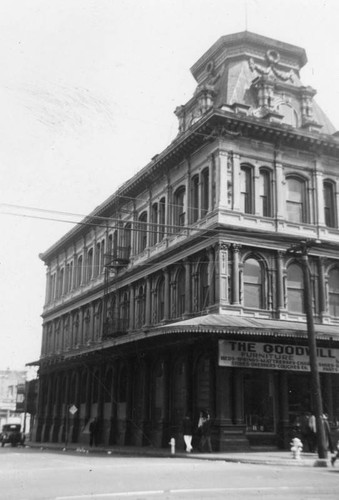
[
  {"x": 236, "y": 182},
  {"x": 221, "y": 274},
  {"x": 222, "y": 179},
  {"x": 321, "y": 287},
  {"x": 131, "y": 307},
  {"x": 188, "y": 194},
  {"x": 280, "y": 191},
  {"x": 235, "y": 275},
  {"x": 257, "y": 208},
  {"x": 239, "y": 397},
  {"x": 148, "y": 302},
  {"x": 166, "y": 294},
  {"x": 211, "y": 274},
  {"x": 319, "y": 196},
  {"x": 188, "y": 288},
  {"x": 280, "y": 282}
]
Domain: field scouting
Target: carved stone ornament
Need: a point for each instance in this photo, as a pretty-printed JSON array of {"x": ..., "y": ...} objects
[{"x": 273, "y": 58}]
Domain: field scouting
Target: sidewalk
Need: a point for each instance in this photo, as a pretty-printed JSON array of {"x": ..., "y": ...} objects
[{"x": 259, "y": 456}]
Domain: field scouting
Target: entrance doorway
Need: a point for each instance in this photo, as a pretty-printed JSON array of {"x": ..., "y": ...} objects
[{"x": 259, "y": 401}]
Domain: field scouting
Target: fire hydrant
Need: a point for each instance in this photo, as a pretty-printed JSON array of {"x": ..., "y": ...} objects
[
  {"x": 172, "y": 443},
  {"x": 296, "y": 448}
]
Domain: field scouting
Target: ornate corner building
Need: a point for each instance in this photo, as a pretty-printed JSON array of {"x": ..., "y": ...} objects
[{"x": 179, "y": 293}]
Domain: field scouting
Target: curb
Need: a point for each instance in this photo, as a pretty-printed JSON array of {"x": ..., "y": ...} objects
[{"x": 135, "y": 452}]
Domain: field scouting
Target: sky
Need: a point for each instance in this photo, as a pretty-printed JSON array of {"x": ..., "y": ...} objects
[{"x": 87, "y": 94}]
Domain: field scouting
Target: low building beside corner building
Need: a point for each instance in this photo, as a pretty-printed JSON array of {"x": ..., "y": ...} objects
[{"x": 177, "y": 293}]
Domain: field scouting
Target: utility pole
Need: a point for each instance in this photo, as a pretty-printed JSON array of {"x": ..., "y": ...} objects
[{"x": 301, "y": 250}]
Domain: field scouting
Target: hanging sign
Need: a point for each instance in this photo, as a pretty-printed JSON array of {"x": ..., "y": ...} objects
[{"x": 269, "y": 356}]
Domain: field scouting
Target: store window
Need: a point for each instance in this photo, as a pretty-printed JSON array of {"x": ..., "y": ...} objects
[
  {"x": 333, "y": 291},
  {"x": 295, "y": 289},
  {"x": 253, "y": 284},
  {"x": 296, "y": 200}
]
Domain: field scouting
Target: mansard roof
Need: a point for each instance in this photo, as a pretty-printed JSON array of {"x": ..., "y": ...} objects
[{"x": 231, "y": 67}]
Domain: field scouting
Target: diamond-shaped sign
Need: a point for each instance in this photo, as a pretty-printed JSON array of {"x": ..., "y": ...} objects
[{"x": 73, "y": 409}]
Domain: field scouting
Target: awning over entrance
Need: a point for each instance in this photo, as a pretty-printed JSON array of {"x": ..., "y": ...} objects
[
  {"x": 224, "y": 323},
  {"x": 220, "y": 324}
]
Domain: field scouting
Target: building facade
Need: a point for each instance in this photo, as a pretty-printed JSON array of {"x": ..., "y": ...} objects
[
  {"x": 12, "y": 396},
  {"x": 179, "y": 292}
]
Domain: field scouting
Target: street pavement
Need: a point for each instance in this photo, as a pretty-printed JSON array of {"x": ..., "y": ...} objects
[{"x": 258, "y": 455}]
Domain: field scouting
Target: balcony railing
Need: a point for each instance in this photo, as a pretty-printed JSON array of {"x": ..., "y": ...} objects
[
  {"x": 119, "y": 257},
  {"x": 115, "y": 327}
]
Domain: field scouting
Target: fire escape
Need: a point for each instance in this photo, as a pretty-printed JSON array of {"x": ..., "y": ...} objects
[{"x": 116, "y": 305}]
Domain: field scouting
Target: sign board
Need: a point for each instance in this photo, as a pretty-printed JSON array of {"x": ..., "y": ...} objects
[
  {"x": 269, "y": 356},
  {"x": 73, "y": 409},
  {"x": 20, "y": 398}
]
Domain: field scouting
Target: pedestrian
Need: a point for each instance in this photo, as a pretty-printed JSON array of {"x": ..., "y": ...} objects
[
  {"x": 187, "y": 429},
  {"x": 312, "y": 433},
  {"x": 93, "y": 432},
  {"x": 206, "y": 433},
  {"x": 327, "y": 431}
]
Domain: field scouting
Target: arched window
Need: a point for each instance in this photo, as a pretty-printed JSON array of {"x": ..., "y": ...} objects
[
  {"x": 79, "y": 271},
  {"x": 295, "y": 289},
  {"x": 160, "y": 300},
  {"x": 329, "y": 204},
  {"x": 180, "y": 292},
  {"x": 115, "y": 244},
  {"x": 127, "y": 241},
  {"x": 154, "y": 224},
  {"x": 253, "y": 284},
  {"x": 265, "y": 193},
  {"x": 178, "y": 208},
  {"x": 102, "y": 256},
  {"x": 333, "y": 291},
  {"x": 141, "y": 305},
  {"x": 124, "y": 313},
  {"x": 97, "y": 257},
  {"x": 246, "y": 190},
  {"x": 205, "y": 186},
  {"x": 203, "y": 286},
  {"x": 89, "y": 266},
  {"x": 162, "y": 220},
  {"x": 296, "y": 200},
  {"x": 195, "y": 198},
  {"x": 142, "y": 233}
]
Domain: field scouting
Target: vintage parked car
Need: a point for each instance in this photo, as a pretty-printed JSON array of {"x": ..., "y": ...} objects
[{"x": 11, "y": 433}]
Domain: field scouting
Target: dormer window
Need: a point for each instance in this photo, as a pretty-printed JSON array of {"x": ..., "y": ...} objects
[{"x": 290, "y": 116}]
